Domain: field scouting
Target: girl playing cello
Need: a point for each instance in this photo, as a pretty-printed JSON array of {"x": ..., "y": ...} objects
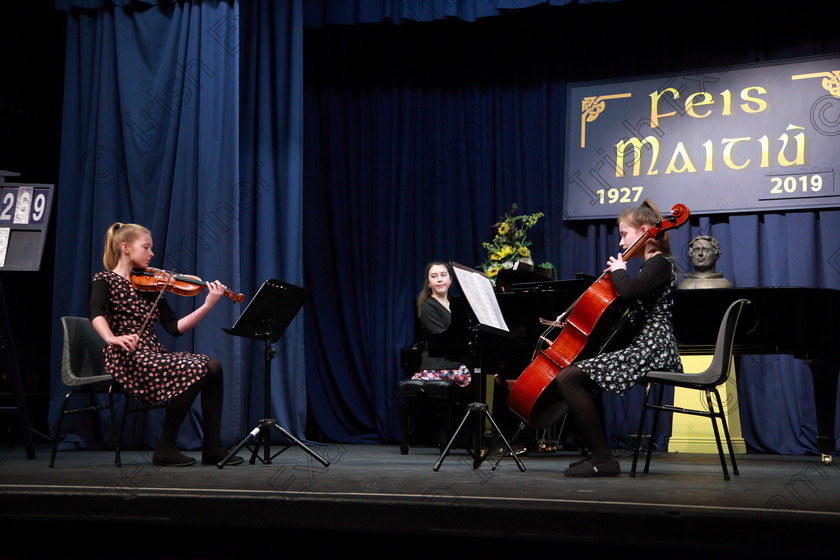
[{"x": 650, "y": 295}]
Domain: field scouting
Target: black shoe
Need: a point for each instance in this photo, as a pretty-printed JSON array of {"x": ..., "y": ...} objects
[
  {"x": 167, "y": 455},
  {"x": 215, "y": 454},
  {"x": 611, "y": 468},
  {"x": 580, "y": 461}
]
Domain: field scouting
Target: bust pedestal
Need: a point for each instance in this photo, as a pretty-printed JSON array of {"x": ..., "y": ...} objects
[{"x": 704, "y": 281}]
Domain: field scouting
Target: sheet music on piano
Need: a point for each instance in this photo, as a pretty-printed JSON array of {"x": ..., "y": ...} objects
[{"x": 478, "y": 290}]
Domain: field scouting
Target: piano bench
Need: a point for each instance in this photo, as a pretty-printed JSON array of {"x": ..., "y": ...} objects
[{"x": 432, "y": 397}]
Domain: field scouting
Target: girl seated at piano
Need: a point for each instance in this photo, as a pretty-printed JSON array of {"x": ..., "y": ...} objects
[
  {"x": 650, "y": 295},
  {"x": 435, "y": 316}
]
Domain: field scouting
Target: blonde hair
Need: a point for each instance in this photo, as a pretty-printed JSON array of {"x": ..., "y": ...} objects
[
  {"x": 116, "y": 235},
  {"x": 647, "y": 214}
]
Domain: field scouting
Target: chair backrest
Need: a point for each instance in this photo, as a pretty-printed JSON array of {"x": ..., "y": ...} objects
[
  {"x": 718, "y": 370},
  {"x": 82, "y": 361}
]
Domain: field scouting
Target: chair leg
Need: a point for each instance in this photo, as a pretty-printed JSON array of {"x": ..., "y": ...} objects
[
  {"x": 125, "y": 413},
  {"x": 57, "y": 437},
  {"x": 713, "y": 418},
  {"x": 726, "y": 432},
  {"x": 405, "y": 425},
  {"x": 654, "y": 427},
  {"x": 639, "y": 432},
  {"x": 442, "y": 414},
  {"x": 115, "y": 428}
]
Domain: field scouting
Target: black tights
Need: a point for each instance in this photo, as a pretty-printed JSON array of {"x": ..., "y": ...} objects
[
  {"x": 572, "y": 383},
  {"x": 211, "y": 387}
]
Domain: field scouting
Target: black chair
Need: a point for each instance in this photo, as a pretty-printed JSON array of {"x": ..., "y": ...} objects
[
  {"x": 708, "y": 381},
  {"x": 434, "y": 397},
  {"x": 83, "y": 371}
]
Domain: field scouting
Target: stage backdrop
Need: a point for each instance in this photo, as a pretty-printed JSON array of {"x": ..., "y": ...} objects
[{"x": 418, "y": 134}]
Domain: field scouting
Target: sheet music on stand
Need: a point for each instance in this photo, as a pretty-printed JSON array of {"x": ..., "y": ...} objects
[{"x": 478, "y": 289}]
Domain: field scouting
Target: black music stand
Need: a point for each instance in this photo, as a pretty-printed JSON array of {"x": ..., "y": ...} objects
[
  {"x": 266, "y": 318},
  {"x": 479, "y": 293}
]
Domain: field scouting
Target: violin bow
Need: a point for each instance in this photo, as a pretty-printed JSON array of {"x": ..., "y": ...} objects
[{"x": 170, "y": 277}]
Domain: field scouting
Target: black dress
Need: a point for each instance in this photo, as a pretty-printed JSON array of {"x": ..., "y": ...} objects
[
  {"x": 149, "y": 373},
  {"x": 434, "y": 319},
  {"x": 653, "y": 347}
]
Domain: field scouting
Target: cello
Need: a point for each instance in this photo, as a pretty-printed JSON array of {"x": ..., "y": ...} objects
[{"x": 585, "y": 329}]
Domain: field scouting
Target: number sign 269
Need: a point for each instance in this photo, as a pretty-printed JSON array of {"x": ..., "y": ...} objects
[{"x": 23, "y": 205}]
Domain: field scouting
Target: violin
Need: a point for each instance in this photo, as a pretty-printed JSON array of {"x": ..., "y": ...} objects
[
  {"x": 155, "y": 280},
  {"x": 586, "y": 328}
]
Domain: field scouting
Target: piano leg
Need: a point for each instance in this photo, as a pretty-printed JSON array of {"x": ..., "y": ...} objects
[{"x": 825, "y": 398}]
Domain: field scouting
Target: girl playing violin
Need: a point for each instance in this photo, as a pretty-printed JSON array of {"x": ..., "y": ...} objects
[
  {"x": 138, "y": 360},
  {"x": 653, "y": 347}
]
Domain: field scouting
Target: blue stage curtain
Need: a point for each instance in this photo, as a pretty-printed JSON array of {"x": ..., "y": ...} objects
[
  {"x": 417, "y": 140},
  {"x": 161, "y": 127},
  {"x": 342, "y": 12},
  {"x": 401, "y": 171},
  {"x": 271, "y": 218}
]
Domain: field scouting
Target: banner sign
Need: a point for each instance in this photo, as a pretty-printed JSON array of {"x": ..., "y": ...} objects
[{"x": 742, "y": 139}]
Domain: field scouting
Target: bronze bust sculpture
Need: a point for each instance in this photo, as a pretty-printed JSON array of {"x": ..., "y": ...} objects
[{"x": 704, "y": 252}]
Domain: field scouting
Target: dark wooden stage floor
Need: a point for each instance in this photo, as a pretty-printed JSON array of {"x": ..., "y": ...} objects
[{"x": 374, "y": 501}]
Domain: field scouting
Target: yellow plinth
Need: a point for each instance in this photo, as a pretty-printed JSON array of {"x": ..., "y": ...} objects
[{"x": 693, "y": 434}]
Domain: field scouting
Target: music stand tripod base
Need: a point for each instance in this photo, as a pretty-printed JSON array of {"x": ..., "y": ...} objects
[
  {"x": 481, "y": 410},
  {"x": 265, "y": 318},
  {"x": 262, "y": 434}
]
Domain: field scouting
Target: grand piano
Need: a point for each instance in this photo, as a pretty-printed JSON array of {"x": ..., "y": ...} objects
[{"x": 802, "y": 322}]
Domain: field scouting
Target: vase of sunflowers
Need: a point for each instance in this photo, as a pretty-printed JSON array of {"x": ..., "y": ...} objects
[{"x": 511, "y": 248}]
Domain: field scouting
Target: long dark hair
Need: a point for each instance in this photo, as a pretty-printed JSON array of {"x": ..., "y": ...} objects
[{"x": 426, "y": 292}]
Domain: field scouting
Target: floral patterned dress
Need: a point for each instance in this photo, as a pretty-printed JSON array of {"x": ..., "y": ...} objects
[
  {"x": 654, "y": 347},
  {"x": 149, "y": 373}
]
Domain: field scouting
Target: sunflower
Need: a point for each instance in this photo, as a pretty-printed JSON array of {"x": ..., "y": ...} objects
[{"x": 510, "y": 243}]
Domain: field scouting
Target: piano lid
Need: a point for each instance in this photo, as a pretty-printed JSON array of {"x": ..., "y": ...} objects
[
  {"x": 579, "y": 285},
  {"x": 803, "y": 322}
]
